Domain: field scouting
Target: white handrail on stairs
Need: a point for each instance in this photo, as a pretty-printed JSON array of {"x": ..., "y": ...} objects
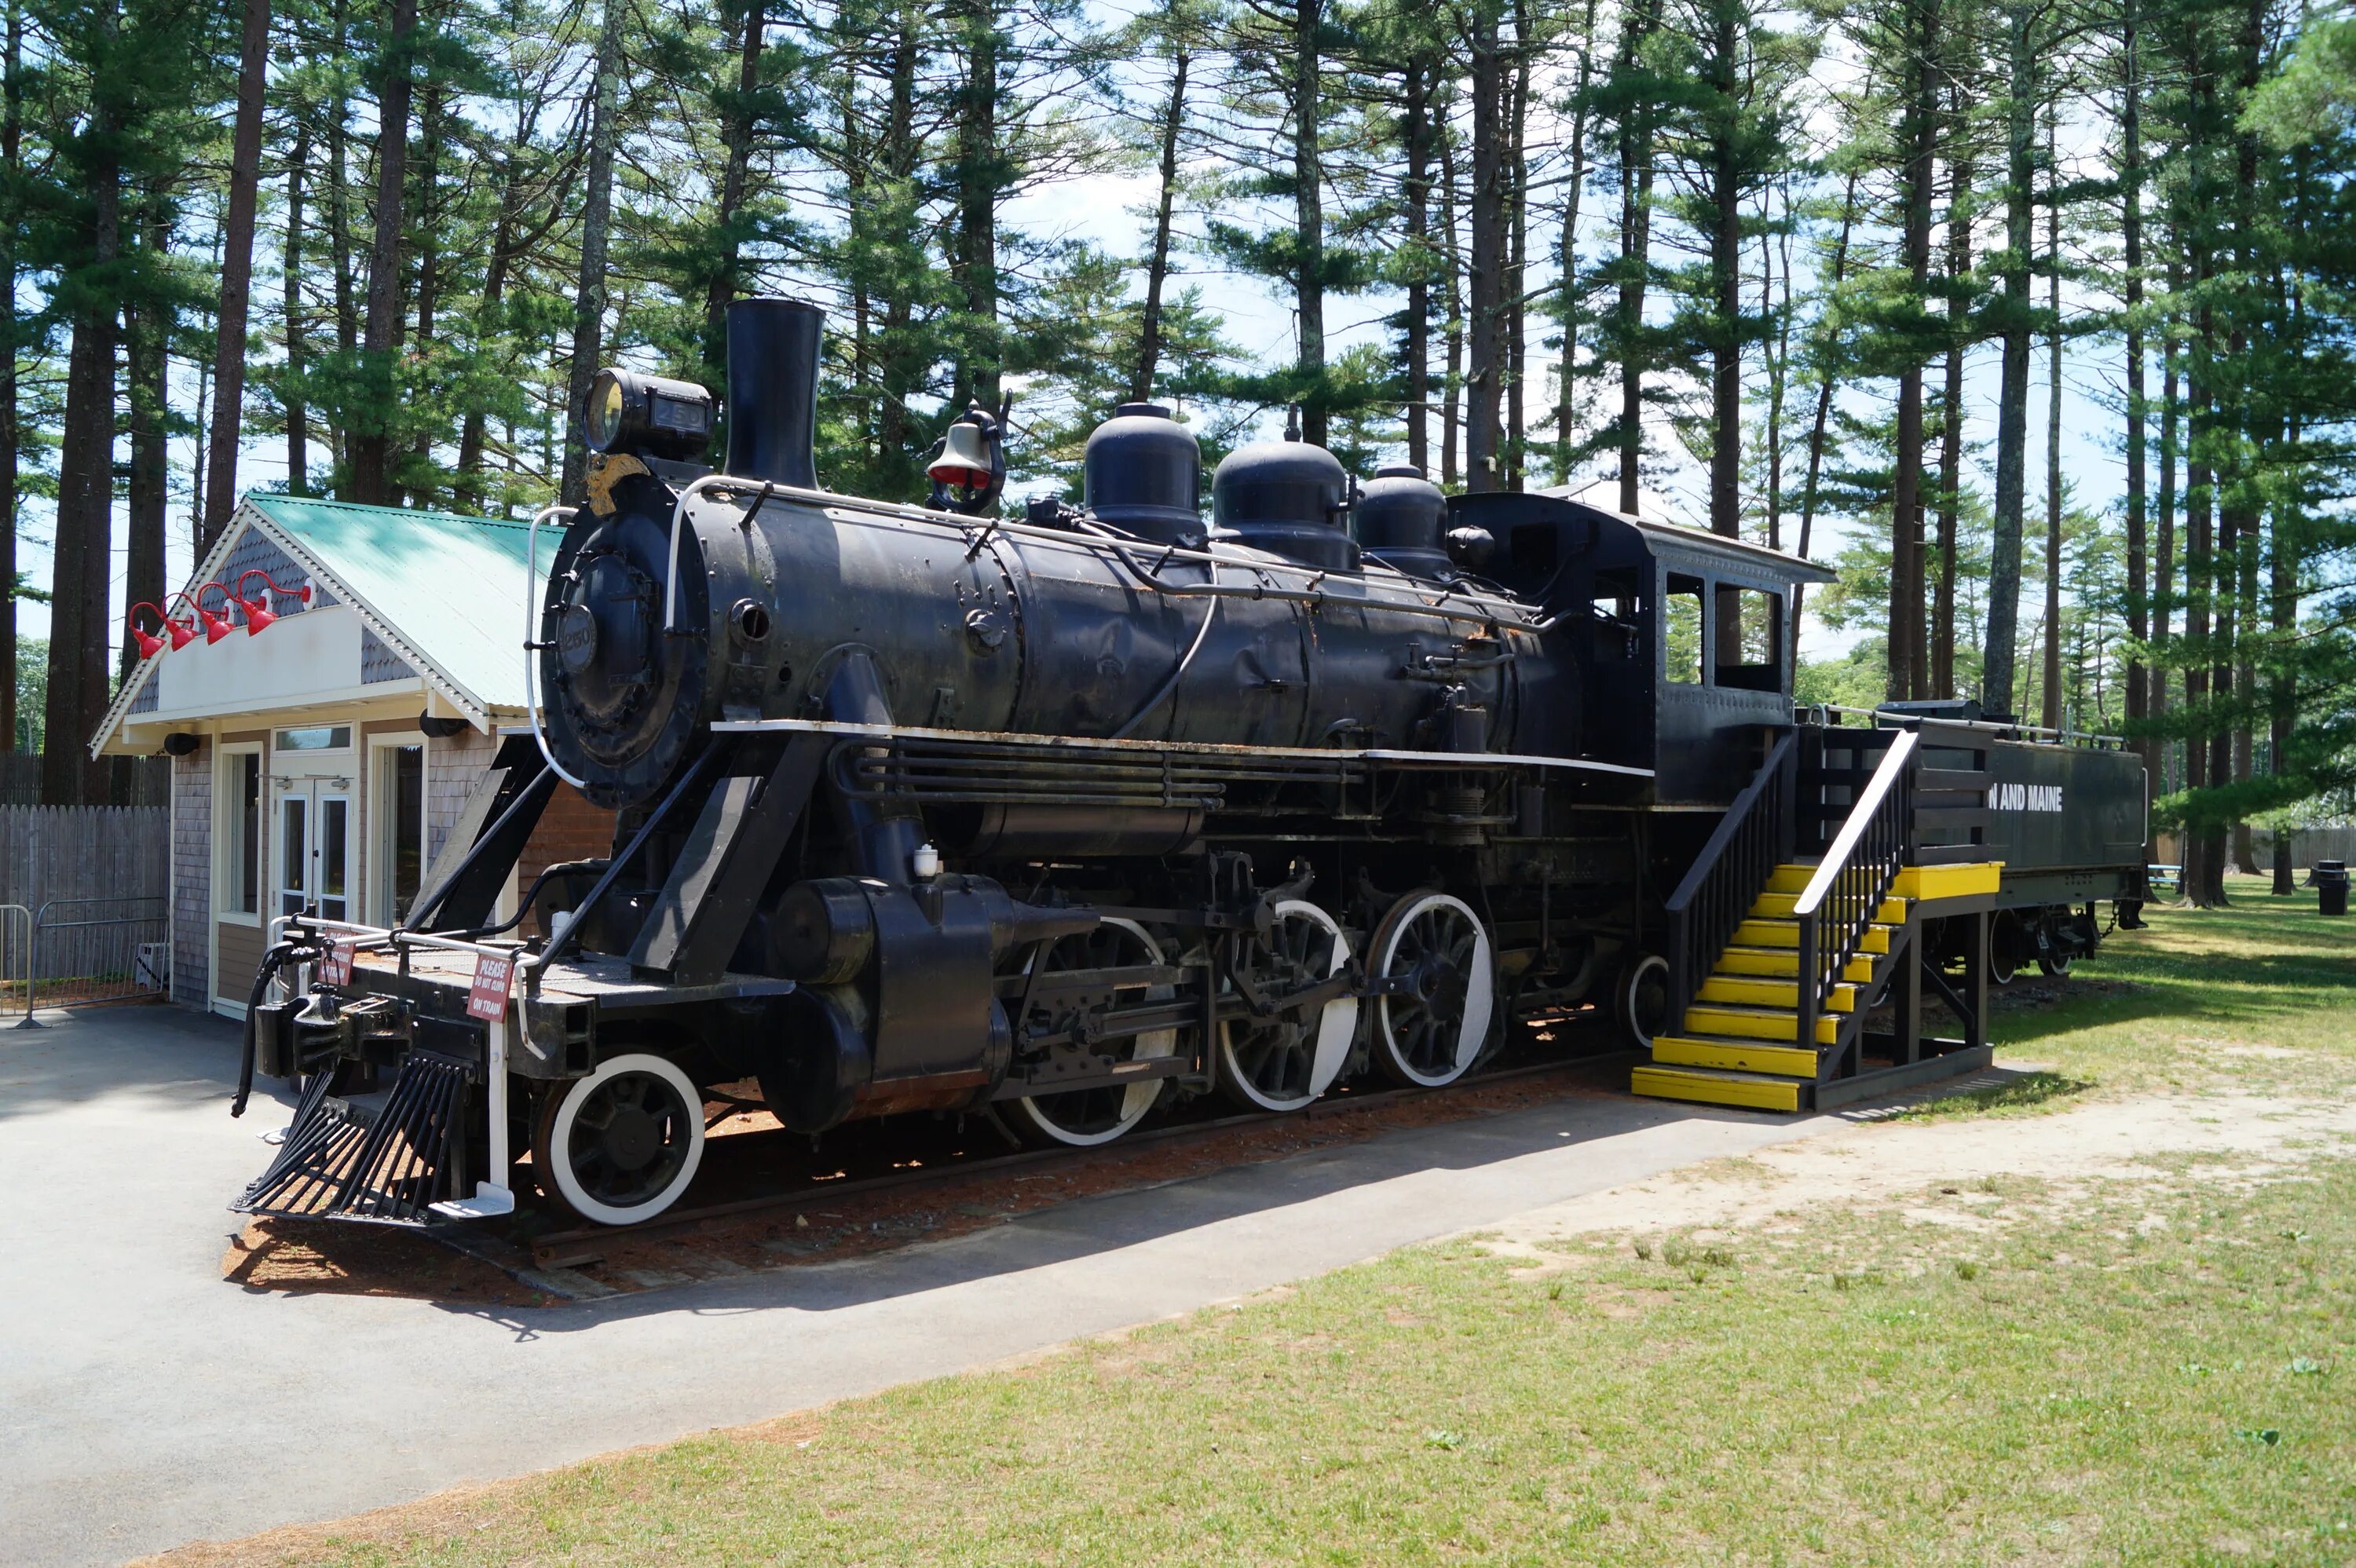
[{"x": 1886, "y": 774}]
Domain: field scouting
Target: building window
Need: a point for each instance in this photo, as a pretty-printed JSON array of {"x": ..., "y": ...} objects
[
  {"x": 399, "y": 812},
  {"x": 239, "y": 781},
  {"x": 316, "y": 737}
]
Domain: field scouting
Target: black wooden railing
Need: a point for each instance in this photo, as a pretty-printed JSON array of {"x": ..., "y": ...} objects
[
  {"x": 1854, "y": 876},
  {"x": 1751, "y": 840}
]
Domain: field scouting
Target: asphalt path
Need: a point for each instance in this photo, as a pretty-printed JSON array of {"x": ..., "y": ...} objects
[{"x": 145, "y": 1402}]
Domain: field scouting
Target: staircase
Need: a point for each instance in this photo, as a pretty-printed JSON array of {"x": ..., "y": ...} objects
[
  {"x": 1774, "y": 961},
  {"x": 1740, "y": 1043}
]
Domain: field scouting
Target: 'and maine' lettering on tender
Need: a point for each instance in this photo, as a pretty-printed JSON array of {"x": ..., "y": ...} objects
[{"x": 2024, "y": 797}]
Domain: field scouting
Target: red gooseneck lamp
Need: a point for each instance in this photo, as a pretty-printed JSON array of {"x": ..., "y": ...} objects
[
  {"x": 258, "y": 613},
  {"x": 215, "y": 626},
  {"x": 149, "y": 644}
]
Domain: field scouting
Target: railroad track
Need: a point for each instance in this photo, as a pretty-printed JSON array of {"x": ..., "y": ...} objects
[{"x": 588, "y": 1244}]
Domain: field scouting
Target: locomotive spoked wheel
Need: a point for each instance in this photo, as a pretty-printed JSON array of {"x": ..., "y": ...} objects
[
  {"x": 621, "y": 1145},
  {"x": 1641, "y": 1000},
  {"x": 1083, "y": 1117},
  {"x": 1280, "y": 1063},
  {"x": 1436, "y": 971},
  {"x": 2004, "y": 940}
]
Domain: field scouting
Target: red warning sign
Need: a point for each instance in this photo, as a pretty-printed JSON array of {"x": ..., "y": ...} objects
[
  {"x": 489, "y": 998},
  {"x": 335, "y": 967}
]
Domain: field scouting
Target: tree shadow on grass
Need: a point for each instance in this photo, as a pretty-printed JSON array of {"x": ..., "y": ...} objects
[{"x": 2022, "y": 1092}]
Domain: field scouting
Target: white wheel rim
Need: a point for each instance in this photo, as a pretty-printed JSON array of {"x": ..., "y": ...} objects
[
  {"x": 568, "y": 1112},
  {"x": 1138, "y": 1098},
  {"x": 1336, "y": 1024},
  {"x": 1628, "y": 996},
  {"x": 1479, "y": 991}
]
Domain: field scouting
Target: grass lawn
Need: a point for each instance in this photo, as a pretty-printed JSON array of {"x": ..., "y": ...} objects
[
  {"x": 2012, "y": 1369},
  {"x": 2268, "y": 978}
]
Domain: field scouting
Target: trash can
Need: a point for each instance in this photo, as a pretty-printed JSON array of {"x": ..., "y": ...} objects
[{"x": 2331, "y": 887}]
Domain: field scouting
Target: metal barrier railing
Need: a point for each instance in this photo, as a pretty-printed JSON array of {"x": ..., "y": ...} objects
[
  {"x": 15, "y": 956},
  {"x": 79, "y": 950}
]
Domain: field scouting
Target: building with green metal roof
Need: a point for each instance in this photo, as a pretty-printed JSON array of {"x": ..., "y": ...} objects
[{"x": 321, "y": 759}]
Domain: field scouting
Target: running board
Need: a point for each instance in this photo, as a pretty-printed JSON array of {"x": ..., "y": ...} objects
[{"x": 393, "y": 1165}]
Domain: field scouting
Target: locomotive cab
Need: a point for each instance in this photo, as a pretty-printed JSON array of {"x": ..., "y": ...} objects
[{"x": 1680, "y": 639}]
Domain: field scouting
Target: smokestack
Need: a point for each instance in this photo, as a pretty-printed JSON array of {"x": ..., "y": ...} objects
[{"x": 773, "y": 390}]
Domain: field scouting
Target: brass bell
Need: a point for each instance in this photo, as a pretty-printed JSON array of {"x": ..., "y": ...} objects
[{"x": 964, "y": 458}]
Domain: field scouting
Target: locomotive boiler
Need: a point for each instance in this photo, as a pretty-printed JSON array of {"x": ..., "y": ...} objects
[{"x": 1057, "y": 819}]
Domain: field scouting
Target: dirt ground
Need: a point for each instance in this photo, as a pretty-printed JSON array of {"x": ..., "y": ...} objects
[{"x": 2237, "y": 1137}]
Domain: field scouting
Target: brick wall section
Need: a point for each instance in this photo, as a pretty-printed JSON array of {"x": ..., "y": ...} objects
[
  {"x": 570, "y": 829},
  {"x": 452, "y": 768},
  {"x": 192, "y": 876}
]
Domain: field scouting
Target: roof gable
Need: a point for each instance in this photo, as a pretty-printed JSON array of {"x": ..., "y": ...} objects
[
  {"x": 437, "y": 593},
  {"x": 448, "y": 590}
]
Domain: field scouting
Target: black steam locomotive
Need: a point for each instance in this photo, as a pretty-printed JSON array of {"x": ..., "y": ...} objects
[{"x": 923, "y": 810}]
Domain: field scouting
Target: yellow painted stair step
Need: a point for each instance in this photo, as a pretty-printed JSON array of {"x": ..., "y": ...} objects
[
  {"x": 1756, "y": 1023},
  {"x": 1716, "y": 1088},
  {"x": 1757, "y": 991},
  {"x": 1785, "y": 962},
  {"x": 1786, "y": 933},
  {"x": 1736, "y": 1056},
  {"x": 1775, "y": 906},
  {"x": 1790, "y": 878}
]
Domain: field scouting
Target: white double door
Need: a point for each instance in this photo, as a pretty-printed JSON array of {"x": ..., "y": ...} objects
[{"x": 316, "y": 842}]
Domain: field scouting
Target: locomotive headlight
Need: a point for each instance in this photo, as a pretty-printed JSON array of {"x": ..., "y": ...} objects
[{"x": 653, "y": 414}]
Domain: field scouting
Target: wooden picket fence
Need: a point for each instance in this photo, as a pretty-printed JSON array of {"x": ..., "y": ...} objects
[{"x": 134, "y": 781}]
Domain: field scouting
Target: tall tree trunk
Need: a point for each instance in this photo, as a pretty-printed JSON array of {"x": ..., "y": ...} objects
[
  {"x": 1452, "y": 212},
  {"x": 1517, "y": 252},
  {"x": 473, "y": 494},
  {"x": 1308, "y": 215},
  {"x": 596, "y": 232},
  {"x": 11, "y": 170},
  {"x": 432, "y": 123},
  {"x": 981, "y": 183},
  {"x": 1415, "y": 113},
  {"x": 1156, "y": 261},
  {"x": 79, "y": 621},
  {"x": 372, "y": 435},
  {"x": 2289, "y": 548},
  {"x": 339, "y": 249},
  {"x": 1951, "y": 421},
  {"x": 1919, "y": 135},
  {"x": 2139, "y": 696},
  {"x": 236, "y": 276},
  {"x": 1726, "y": 307},
  {"x": 1825, "y": 386},
  {"x": 736, "y": 171},
  {"x": 2240, "y": 513},
  {"x": 147, "y": 487},
  {"x": 1565, "y": 407},
  {"x": 290, "y": 392},
  {"x": 1779, "y": 370},
  {"x": 2289, "y": 545},
  {"x": 1635, "y": 252},
  {"x": 2203, "y": 883},
  {"x": 2012, "y": 395},
  {"x": 2164, "y": 595},
  {"x": 1485, "y": 297},
  {"x": 2053, "y": 707},
  {"x": 896, "y": 158}
]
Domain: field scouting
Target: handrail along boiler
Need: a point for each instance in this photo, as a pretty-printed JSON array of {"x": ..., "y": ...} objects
[{"x": 931, "y": 810}]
